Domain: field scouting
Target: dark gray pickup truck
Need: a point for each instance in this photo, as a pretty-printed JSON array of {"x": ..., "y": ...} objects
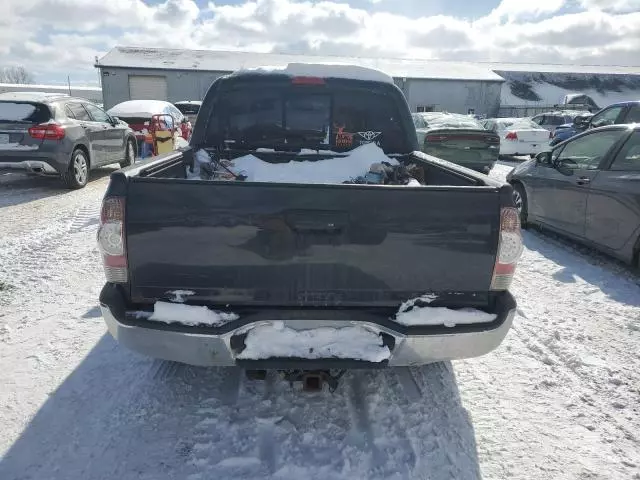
[{"x": 213, "y": 263}]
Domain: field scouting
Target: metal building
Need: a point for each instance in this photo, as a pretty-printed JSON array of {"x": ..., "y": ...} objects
[{"x": 165, "y": 74}]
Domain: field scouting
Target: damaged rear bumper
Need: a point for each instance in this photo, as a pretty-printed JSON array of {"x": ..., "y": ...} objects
[{"x": 219, "y": 346}]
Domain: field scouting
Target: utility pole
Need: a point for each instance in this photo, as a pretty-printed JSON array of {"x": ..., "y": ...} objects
[{"x": 69, "y": 84}]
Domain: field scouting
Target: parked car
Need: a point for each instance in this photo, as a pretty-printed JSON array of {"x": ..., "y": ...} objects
[
  {"x": 457, "y": 138},
  {"x": 552, "y": 120},
  {"x": 277, "y": 256},
  {"x": 587, "y": 188},
  {"x": 617, "y": 113},
  {"x": 138, "y": 114},
  {"x": 59, "y": 135},
  {"x": 519, "y": 136},
  {"x": 189, "y": 109},
  {"x": 564, "y": 132}
]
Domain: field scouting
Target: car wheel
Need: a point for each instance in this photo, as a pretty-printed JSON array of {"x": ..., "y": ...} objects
[
  {"x": 129, "y": 154},
  {"x": 77, "y": 174},
  {"x": 520, "y": 201}
]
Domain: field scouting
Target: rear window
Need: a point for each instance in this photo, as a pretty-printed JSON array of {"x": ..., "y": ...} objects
[
  {"x": 452, "y": 121},
  {"x": 24, "y": 112},
  {"x": 188, "y": 108},
  {"x": 340, "y": 120}
]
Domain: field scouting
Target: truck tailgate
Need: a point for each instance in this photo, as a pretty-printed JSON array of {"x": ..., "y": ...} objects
[{"x": 286, "y": 245}]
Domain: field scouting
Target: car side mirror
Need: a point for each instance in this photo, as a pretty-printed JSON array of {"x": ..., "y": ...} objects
[{"x": 114, "y": 121}]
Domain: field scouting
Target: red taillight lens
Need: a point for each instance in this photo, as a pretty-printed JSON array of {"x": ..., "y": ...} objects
[
  {"x": 511, "y": 136},
  {"x": 436, "y": 138},
  {"x": 308, "y": 81},
  {"x": 509, "y": 249},
  {"x": 47, "y": 131},
  {"x": 111, "y": 239}
]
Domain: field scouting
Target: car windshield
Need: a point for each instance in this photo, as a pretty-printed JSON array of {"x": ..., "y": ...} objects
[{"x": 286, "y": 119}]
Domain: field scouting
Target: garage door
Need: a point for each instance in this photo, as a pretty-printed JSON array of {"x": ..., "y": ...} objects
[{"x": 147, "y": 87}]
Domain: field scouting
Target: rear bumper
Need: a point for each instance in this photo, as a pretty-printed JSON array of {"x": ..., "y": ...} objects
[
  {"x": 35, "y": 162},
  {"x": 206, "y": 346},
  {"x": 523, "y": 148},
  {"x": 30, "y": 166}
]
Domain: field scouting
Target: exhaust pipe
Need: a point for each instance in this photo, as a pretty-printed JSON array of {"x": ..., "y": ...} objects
[{"x": 312, "y": 382}]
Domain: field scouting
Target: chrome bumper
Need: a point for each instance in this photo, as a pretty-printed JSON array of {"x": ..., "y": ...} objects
[
  {"x": 31, "y": 166},
  {"x": 216, "y": 350}
]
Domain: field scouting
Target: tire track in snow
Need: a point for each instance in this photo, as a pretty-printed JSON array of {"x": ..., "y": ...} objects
[{"x": 360, "y": 419}]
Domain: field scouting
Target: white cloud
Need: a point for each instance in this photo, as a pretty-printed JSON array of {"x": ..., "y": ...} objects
[
  {"x": 612, "y": 5},
  {"x": 516, "y": 30},
  {"x": 512, "y": 10}
]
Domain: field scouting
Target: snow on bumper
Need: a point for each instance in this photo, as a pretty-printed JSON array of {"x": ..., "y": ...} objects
[{"x": 407, "y": 345}]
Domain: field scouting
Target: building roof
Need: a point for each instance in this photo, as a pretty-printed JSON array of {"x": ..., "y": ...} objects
[
  {"x": 227, "y": 61},
  {"x": 61, "y": 88}
]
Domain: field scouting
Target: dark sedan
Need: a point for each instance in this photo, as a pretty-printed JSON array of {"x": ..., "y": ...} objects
[
  {"x": 587, "y": 188},
  {"x": 457, "y": 138}
]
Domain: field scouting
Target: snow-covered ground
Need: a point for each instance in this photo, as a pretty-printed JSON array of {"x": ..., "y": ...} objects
[{"x": 560, "y": 399}]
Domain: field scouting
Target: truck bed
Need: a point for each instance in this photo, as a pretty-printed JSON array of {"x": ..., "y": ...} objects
[{"x": 286, "y": 245}]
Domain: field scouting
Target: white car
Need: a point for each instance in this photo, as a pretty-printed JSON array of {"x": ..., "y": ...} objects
[{"x": 519, "y": 136}]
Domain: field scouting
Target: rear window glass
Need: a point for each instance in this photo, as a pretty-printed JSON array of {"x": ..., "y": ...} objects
[
  {"x": 24, "y": 112},
  {"x": 518, "y": 123},
  {"x": 452, "y": 121},
  {"x": 340, "y": 120},
  {"x": 188, "y": 108}
]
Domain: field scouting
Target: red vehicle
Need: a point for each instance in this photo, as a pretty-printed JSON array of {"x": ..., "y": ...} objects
[{"x": 139, "y": 114}]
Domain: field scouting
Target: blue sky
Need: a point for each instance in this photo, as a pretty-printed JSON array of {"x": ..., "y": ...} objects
[{"x": 54, "y": 38}]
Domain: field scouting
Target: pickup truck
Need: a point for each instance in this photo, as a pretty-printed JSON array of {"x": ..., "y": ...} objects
[{"x": 307, "y": 273}]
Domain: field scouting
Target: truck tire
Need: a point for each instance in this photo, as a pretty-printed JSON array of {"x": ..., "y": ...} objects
[
  {"x": 129, "y": 154},
  {"x": 77, "y": 174},
  {"x": 520, "y": 200}
]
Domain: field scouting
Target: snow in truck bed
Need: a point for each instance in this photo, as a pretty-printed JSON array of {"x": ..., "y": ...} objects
[{"x": 331, "y": 170}]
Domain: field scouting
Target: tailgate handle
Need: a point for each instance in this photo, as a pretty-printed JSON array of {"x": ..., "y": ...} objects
[{"x": 314, "y": 221}]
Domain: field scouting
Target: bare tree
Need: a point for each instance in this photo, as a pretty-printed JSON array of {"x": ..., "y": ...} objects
[{"x": 15, "y": 75}]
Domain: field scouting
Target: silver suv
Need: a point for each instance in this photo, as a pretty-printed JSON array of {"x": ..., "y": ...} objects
[{"x": 62, "y": 136}]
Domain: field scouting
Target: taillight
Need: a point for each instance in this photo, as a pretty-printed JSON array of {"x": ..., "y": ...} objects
[
  {"x": 495, "y": 140},
  {"x": 511, "y": 136},
  {"x": 47, "y": 131},
  {"x": 509, "y": 249},
  {"x": 111, "y": 239},
  {"x": 436, "y": 138}
]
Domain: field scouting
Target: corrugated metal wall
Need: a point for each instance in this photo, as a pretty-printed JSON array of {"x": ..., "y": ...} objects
[
  {"x": 181, "y": 85},
  {"x": 454, "y": 96}
]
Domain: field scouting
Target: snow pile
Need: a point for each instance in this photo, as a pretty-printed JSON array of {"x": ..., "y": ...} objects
[
  {"x": 416, "y": 312},
  {"x": 17, "y": 146},
  {"x": 190, "y": 315},
  {"x": 332, "y": 170},
  {"x": 139, "y": 108},
  {"x": 322, "y": 70},
  {"x": 276, "y": 340}
]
